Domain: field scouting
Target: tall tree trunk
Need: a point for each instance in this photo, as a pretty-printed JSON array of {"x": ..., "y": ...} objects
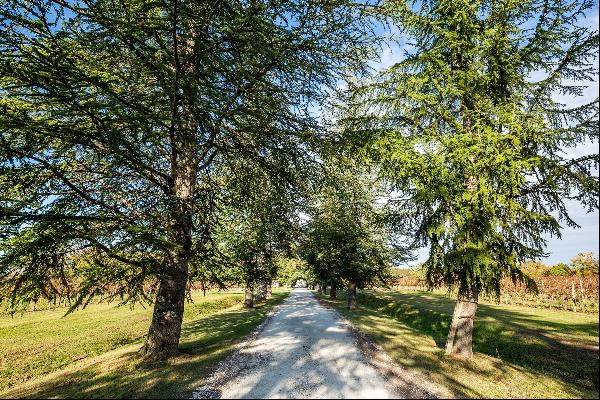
[
  {"x": 163, "y": 335},
  {"x": 165, "y": 328},
  {"x": 333, "y": 292},
  {"x": 261, "y": 293},
  {"x": 249, "y": 295},
  {"x": 352, "y": 304},
  {"x": 460, "y": 337},
  {"x": 325, "y": 288},
  {"x": 269, "y": 288}
]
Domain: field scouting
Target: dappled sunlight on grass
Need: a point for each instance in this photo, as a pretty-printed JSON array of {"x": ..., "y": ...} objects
[
  {"x": 519, "y": 352},
  {"x": 49, "y": 340},
  {"x": 121, "y": 373}
]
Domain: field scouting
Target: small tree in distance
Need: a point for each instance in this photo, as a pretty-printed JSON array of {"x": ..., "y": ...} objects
[
  {"x": 585, "y": 264},
  {"x": 560, "y": 269},
  {"x": 347, "y": 241}
]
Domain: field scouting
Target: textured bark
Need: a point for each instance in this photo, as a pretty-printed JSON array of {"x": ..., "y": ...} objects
[
  {"x": 333, "y": 292},
  {"x": 460, "y": 336},
  {"x": 165, "y": 329},
  {"x": 261, "y": 293},
  {"x": 249, "y": 296},
  {"x": 269, "y": 288},
  {"x": 352, "y": 304}
]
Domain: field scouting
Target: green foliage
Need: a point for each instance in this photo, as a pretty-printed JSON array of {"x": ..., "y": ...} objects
[
  {"x": 471, "y": 141},
  {"x": 264, "y": 226},
  {"x": 290, "y": 270},
  {"x": 347, "y": 239},
  {"x": 125, "y": 129},
  {"x": 534, "y": 268},
  {"x": 585, "y": 264},
  {"x": 262, "y": 231},
  {"x": 560, "y": 269}
]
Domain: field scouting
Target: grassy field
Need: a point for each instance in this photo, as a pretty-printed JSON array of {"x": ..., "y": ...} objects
[
  {"x": 92, "y": 353},
  {"x": 520, "y": 352}
]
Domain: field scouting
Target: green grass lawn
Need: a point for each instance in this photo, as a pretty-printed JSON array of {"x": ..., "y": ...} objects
[
  {"x": 519, "y": 352},
  {"x": 92, "y": 353}
]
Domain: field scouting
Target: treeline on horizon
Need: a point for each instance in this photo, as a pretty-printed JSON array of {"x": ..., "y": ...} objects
[{"x": 573, "y": 286}]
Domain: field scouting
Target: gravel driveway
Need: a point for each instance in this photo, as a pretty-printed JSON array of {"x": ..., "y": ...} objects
[{"x": 303, "y": 351}]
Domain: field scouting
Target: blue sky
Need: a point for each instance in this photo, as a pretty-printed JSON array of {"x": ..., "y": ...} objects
[
  {"x": 573, "y": 240},
  {"x": 586, "y": 238}
]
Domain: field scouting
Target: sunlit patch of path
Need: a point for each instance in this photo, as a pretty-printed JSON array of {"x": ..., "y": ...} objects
[{"x": 304, "y": 351}]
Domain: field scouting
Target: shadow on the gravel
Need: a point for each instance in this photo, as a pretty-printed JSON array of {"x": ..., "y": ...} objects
[{"x": 304, "y": 350}]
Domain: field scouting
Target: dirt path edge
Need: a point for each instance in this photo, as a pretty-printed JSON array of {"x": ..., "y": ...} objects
[
  {"x": 232, "y": 364},
  {"x": 399, "y": 378}
]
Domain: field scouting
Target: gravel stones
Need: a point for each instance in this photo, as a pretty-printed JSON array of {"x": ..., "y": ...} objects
[{"x": 302, "y": 350}]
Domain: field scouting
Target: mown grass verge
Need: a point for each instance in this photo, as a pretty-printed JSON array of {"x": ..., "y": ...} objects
[
  {"x": 93, "y": 353},
  {"x": 520, "y": 352}
]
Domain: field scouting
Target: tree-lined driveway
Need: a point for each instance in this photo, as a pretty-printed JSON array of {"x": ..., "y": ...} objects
[{"x": 304, "y": 351}]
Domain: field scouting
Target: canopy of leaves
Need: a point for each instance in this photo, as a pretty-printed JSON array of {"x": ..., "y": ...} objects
[
  {"x": 347, "y": 239},
  {"x": 109, "y": 108},
  {"x": 467, "y": 130},
  {"x": 585, "y": 264},
  {"x": 560, "y": 269}
]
